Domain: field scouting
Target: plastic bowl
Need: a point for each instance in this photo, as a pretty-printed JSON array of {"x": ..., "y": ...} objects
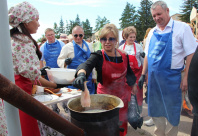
[{"x": 61, "y": 75}]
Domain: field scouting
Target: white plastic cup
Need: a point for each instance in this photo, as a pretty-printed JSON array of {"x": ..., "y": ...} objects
[{"x": 40, "y": 89}]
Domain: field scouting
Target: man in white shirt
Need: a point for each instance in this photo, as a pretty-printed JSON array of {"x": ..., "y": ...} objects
[
  {"x": 76, "y": 52},
  {"x": 166, "y": 46}
]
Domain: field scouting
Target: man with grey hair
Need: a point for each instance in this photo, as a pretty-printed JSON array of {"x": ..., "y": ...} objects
[
  {"x": 168, "y": 43},
  {"x": 76, "y": 52}
]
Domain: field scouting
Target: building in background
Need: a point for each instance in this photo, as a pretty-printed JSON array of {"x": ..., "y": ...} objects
[{"x": 176, "y": 17}]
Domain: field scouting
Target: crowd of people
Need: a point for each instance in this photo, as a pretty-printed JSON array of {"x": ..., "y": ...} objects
[{"x": 111, "y": 67}]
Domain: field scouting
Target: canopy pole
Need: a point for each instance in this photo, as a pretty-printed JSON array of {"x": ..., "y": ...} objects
[{"x": 6, "y": 69}]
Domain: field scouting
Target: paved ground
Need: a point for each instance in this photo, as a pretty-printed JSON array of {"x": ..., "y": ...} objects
[{"x": 184, "y": 126}]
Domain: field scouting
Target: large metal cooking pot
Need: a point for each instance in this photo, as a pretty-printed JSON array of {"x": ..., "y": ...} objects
[{"x": 101, "y": 118}]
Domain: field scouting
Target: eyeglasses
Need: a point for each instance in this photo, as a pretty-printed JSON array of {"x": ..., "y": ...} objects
[
  {"x": 80, "y": 35},
  {"x": 50, "y": 35},
  {"x": 111, "y": 39}
]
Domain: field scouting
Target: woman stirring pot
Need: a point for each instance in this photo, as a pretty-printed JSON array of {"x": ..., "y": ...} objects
[
  {"x": 135, "y": 53},
  {"x": 114, "y": 74}
]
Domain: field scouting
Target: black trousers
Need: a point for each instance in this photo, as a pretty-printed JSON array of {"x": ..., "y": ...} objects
[{"x": 194, "y": 131}]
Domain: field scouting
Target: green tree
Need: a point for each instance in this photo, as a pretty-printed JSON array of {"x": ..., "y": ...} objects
[
  {"x": 72, "y": 24},
  {"x": 129, "y": 16},
  {"x": 61, "y": 28},
  {"x": 186, "y": 9},
  {"x": 77, "y": 21},
  {"x": 69, "y": 27},
  {"x": 145, "y": 19},
  {"x": 39, "y": 40},
  {"x": 100, "y": 22},
  {"x": 56, "y": 30},
  {"x": 67, "y": 31},
  {"x": 87, "y": 29}
]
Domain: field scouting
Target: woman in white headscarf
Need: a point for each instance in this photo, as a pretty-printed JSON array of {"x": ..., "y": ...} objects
[{"x": 23, "y": 17}]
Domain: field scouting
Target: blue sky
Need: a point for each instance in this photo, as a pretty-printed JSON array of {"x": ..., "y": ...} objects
[{"x": 52, "y": 10}]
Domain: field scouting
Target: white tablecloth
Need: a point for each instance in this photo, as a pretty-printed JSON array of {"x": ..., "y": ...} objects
[{"x": 58, "y": 105}]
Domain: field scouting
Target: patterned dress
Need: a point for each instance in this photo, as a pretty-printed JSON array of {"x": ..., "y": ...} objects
[
  {"x": 26, "y": 68},
  {"x": 25, "y": 60},
  {"x": 3, "y": 126}
]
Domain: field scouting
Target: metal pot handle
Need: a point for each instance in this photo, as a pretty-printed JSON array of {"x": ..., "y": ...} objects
[
  {"x": 121, "y": 105},
  {"x": 120, "y": 128}
]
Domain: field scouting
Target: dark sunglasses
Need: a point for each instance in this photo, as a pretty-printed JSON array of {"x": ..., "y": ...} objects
[
  {"x": 104, "y": 39},
  {"x": 80, "y": 35}
]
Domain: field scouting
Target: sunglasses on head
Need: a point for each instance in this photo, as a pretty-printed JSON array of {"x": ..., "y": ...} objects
[
  {"x": 104, "y": 39},
  {"x": 80, "y": 35}
]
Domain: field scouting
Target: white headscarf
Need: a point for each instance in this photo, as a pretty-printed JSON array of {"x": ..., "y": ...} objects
[{"x": 22, "y": 13}]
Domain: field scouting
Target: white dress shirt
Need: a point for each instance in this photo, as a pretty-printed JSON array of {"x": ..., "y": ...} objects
[
  {"x": 183, "y": 42},
  {"x": 68, "y": 52}
]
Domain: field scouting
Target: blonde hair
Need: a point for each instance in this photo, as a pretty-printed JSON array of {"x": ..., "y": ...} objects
[
  {"x": 144, "y": 41},
  {"x": 49, "y": 29},
  {"x": 123, "y": 32},
  {"x": 108, "y": 28},
  {"x": 70, "y": 37},
  {"x": 129, "y": 30},
  {"x": 147, "y": 31}
]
